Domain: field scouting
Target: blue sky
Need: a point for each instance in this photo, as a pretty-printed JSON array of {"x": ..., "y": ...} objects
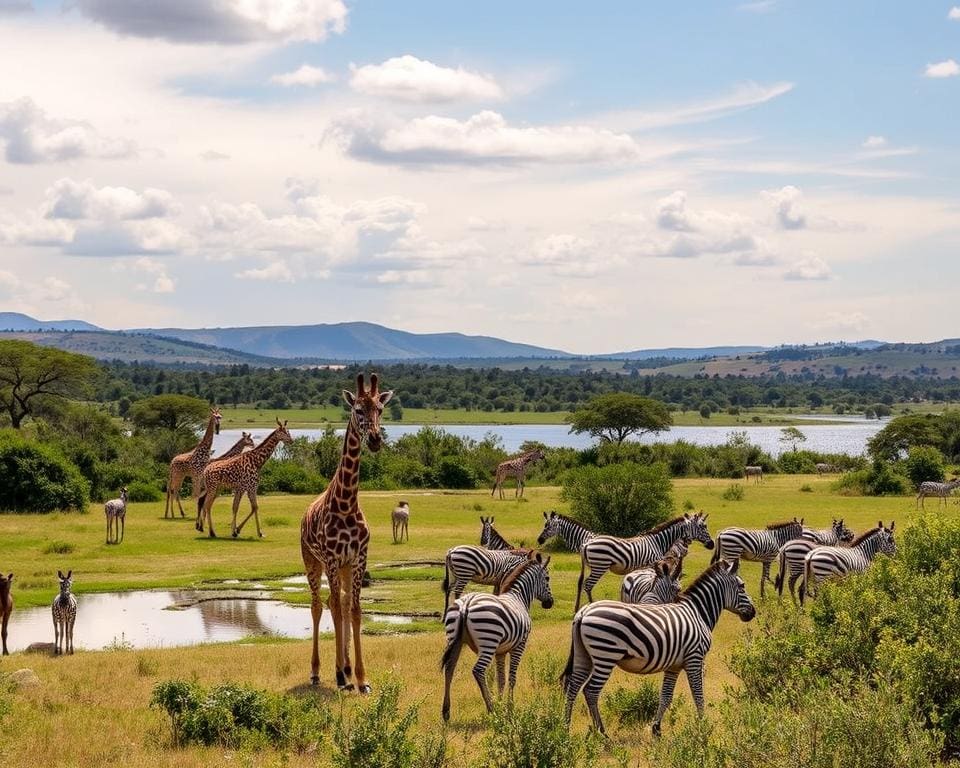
[{"x": 624, "y": 176}]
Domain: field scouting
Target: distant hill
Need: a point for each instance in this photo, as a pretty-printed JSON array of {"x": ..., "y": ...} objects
[
  {"x": 15, "y": 321},
  {"x": 683, "y": 353},
  {"x": 354, "y": 341}
]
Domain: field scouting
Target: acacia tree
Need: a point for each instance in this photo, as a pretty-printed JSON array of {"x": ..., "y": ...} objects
[
  {"x": 793, "y": 436},
  {"x": 178, "y": 413},
  {"x": 29, "y": 373},
  {"x": 615, "y": 416}
]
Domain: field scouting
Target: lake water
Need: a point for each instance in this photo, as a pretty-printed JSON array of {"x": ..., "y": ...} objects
[{"x": 849, "y": 437}]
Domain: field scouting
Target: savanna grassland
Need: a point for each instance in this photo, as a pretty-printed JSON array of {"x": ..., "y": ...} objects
[{"x": 92, "y": 709}]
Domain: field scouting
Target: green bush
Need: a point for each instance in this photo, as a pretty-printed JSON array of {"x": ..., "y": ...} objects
[
  {"x": 734, "y": 492},
  {"x": 289, "y": 477},
  {"x": 141, "y": 491},
  {"x": 619, "y": 499},
  {"x": 455, "y": 473},
  {"x": 924, "y": 462},
  {"x": 881, "y": 479},
  {"x": 377, "y": 735},
  {"x": 634, "y": 707},
  {"x": 38, "y": 478}
]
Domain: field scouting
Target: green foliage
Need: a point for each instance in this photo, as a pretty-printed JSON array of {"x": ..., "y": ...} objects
[
  {"x": 455, "y": 473},
  {"x": 880, "y": 479},
  {"x": 923, "y": 462},
  {"x": 377, "y": 734},
  {"x": 141, "y": 491},
  {"x": 38, "y": 478},
  {"x": 289, "y": 477},
  {"x": 58, "y": 548},
  {"x": 733, "y": 492},
  {"x": 896, "y": 438},
  {"x": 176, "y": 413},
  {"x": 792, "y": 436},
  {"x": 617, "y": 415},
  {"x": 634, "y": 707},
  {"x": 619, "y": 499},
  {"x": 806, "y": 488}
]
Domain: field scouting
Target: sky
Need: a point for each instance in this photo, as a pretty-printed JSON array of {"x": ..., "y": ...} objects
[{"x": 588, "y": 177}]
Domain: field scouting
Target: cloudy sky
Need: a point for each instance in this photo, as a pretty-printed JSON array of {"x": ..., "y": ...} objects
[{"x": 595, "y": 178}]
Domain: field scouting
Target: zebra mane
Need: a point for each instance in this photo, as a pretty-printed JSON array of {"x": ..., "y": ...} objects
[
  {"x": 570, "y": 520},
  {"x": 720, "y": 565},
  {"x": 495, "y": 532},
  {"x": 778, "y": 526},
  {"x": 663, "y": 526},
  {"x": 507, "y": 581},
  {"x": 865, "y": 535}
]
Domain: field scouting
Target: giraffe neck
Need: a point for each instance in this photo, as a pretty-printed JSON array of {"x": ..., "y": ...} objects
[
  {"x": 260, "y": 454},
  {"x": 346, "y": 481},
  {"x": 207, "y": 440},
  {"x": 235, "y": 450}
]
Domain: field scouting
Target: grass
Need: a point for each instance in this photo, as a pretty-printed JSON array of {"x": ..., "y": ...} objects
[{"x": 92, "y": 708}]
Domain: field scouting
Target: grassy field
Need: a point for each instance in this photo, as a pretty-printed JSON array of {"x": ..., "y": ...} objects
[{"x": 97, "y": 702}]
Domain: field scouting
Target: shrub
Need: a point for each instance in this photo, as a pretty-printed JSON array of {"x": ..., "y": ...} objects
[
  {"x": 881, "y": 479},
  {"x": 619, "y": 499},
  {"x": 58, "y": 548},
  {"x": 634, "y": 707},
  {"x": 38, "y": 478},
  {"x": 806, "y": 488},
  {"x": 289, "y": 477},
  {"x": 734, "y": 492},
  {"x": 378, "y": 733},
  {"x": 141, "y": 491},
  {"x": 923, "y": 462},
  {"x": 455, "y": 473}
]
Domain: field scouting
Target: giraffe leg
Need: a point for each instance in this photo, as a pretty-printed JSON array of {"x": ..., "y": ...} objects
[
  {"x": 356, "y": 616},
  {"x": 314, "y": 571},
  {"x": 56, "y": 635},
  {"x": 177, "y": 497},
  {"x": 237, "y": 497},
  {"x": 256, "y": 511},
  {"x": 346, "y": 619},
  {"x": 209, "y": 497},
  {"x": 334, "y": 603}
]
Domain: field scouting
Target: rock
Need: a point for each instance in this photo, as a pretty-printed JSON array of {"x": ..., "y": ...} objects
[
  {"x": 39, "y": 648},
  {"x": 24, "y": 678}
]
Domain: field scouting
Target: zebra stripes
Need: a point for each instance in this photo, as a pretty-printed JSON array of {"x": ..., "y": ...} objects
[
  {"x": 940, "y": 490},
  {"x": 755, "y": 472},
  {"x": 466, "y": 563},
  {"x": 792, "y": 553},
  {"x": 610, "y": 553},
  {"x": 644, "y": 639},
  {"x": 574, "y": 534},
  {"x": 658, "y": 583},
  {"x": 490, "y": 538},
  {"x": 495, "y": 625},
  {"x": 64, "y": 609},
  {"x": 827, "y": 562},
  {"x": 759, "y": 546}
]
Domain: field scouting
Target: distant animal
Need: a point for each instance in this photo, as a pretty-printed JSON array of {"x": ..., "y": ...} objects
[
  {"x": 495, "y": 625},
  {"x": 245, "y": 441},
  {"x": 940, "y": 490},
  {"x": 755, "y": 472},
  {"x": 64, "y": 610},
  {"x": 792, "y": 553},
  {"x": 6, "y": 608},
  {"x": 466, "y": 563},
  {"x": 573, "y": 533},
  {"x": 490, "y": 537},
  {"x": 190, "y": 464},
  {"x": 829, "y": 562},
  {"x": 400, "y": 518},
  {"x": 825, "y": 469},
  {"x": 516, "y": 467},
  {"x": 759, "y": 546},
  {"x": 657, "y": 583},
  {"x": 644, "y": 639},
  {"x": 115, "y": 511}
]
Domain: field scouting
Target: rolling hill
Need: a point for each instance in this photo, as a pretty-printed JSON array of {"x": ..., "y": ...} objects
[{"x": 15, "y": 321}]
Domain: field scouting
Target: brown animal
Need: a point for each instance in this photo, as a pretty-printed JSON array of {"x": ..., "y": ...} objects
[
  {"x": 516, "y": 467},
  {"x": 190, "y": 465},
  {"x": 401, "y": 519},
  {"x": 245, "y": 441},
  {"x": 334, "y": 536},
  {"x": 6, "y": 608}
]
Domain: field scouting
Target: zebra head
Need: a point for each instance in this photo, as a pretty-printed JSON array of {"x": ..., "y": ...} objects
[
  {"x": 66, "y": 583},
  {"x": 695, "y": 528},
  {"x": 887, "y": 545},
  {"x": 366, "y": 407},
  {"x": 541, "y": 579},
  {"x": 666, "y": 584},
  {"x": 123, "y": 494},
  {"x": 485, "y": 530},
  {"x": 735, "y": 597},
  {"x": 842, "y": 532},
  {"x": 551, "y": 527}
]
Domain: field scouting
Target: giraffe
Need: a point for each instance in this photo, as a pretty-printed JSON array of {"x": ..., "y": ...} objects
[
  {"x": 190, "y": 464},
  {"x": 401, "y": 519},
  {"x": 242, "y": 474},
  {"x": 334, "y": 536},
  {"x": 515, "y": 467},
  {"x": 245, "y": 441}
]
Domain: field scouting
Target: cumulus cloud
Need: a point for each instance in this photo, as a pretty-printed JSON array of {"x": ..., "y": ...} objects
[
  {"x": 29, "y": 135},
  {"x": 954, "y": 13},
  {"x": 947, "y": 68},
  {"x": 69, "y": 199},
  {"x": 305, "y": 75},
  {"x": 277, "y": 272},
  {"x": 786, "y": 205},
  {"x": 683, "y": 232},
  {"x": 51, "y": 293},
  {"x": 484, "y": 138},
  {"x": 566, "y": 255},
  {"x": 407, "y": 78},
  {"x": 399, "y": 277},
  {"x": 162, "y": 282},
  {"x": 219, "y": 21},
  {"x": 808, "y": 268}
]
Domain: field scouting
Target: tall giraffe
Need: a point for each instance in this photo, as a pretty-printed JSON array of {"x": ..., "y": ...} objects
[
  {"x": 191, "y": 464},
  {"x": 334, "y": 536},
  {"x": 245, "y": 441},
  {"x": 242, "y": 474},
  {"x": 515, "y": 467}
]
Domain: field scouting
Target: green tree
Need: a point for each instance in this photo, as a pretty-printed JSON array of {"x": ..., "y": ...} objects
[
  {"x": 924, "y": 462},
  {"x": 793, "y": 436},
  {"x": 173, "y": 412},
  {"x": 619, "y": 499},
  {"x": 897, "y": 437},
  {"x": 615, "y": 416},
  {"x": 30, "y": 373}
]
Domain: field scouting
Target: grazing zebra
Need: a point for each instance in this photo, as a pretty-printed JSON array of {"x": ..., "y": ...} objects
[
  {"x": 467, "y": 563},
  {"x": 400, "y": 518},
  {"x": 6, "y": 609},
  {"x": 940, "y": 490},
  {"x": 658, "y": 583},
  {"x": 611, "y": 553},
  {"x": 652, "y": 638},
  {"x": 490, "y": 538},
  {"x": 574, "y": 534},
  {"x": 116, "y": 513},
  {"x": 757, "y": 546},
  {"x": 755, "y": 472},
  {"x": 495, "y": 625},
  {"x": 64, "y": 615},
  {"x": 794, "y": 551},
  {"x": 825, "y": 562},
  {"x": 826, "y": 469},
  {"x": 516, "y": 467}
]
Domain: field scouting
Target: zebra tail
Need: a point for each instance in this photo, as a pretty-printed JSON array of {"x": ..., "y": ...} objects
[
  {"x": 583, "y": 564},
  {"x": 445, "y": 587},
  {"x": 574, "y": 637},
  {"x": 716, "y": 552},
  {"x": 778, "y": 582},
  {"x": 805, "y": 584},
  {"x": 452, "y": 652}
]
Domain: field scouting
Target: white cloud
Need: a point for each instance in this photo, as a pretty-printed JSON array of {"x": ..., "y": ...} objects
[
  {"x": 694, "y": 232},
  {"x": 219, "y": 21},
  {"x": 786, "y": 205},
  {"x": 306, "y": 75},
  {"x": 407, "y": 78},
  {"x": 278, "y": 272},
  {"x": 69, "y": 199},
  {"x": 398, "y": 277},
  {"x": 211, "y": 155},
  {"x": 808, "y": 268},
  {"x": 954, "y": 13},
  {"x": 947, "y": 68},
  {"x": 566, "y": 255},
  {"x": 30, "y": 136},
  {"x": 874, "y": 142}
]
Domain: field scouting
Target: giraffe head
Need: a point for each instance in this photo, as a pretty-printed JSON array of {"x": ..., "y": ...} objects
[
  {"x": 283, "y": 435},
  {"x": 215, "y": 415},
  {"x": 366, "y": 407},
  {"x": 246, "y": 439}
]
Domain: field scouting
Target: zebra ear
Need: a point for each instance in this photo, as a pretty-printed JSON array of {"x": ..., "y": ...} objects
[
  {"x": 734, "y": 567},
  {"x": 59, "y": 574},
  {"x": 892, "y": 524},
  {"x": 69, "y": 573},
  {"x": 546, "y": 562},
  {"x": 880, "y": 524},
  {"x": 545, "y": 516},
  {"x": 10, "y": 577}
]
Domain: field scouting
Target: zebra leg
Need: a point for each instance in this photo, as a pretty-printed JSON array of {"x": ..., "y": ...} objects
[
  {"x": 666, "y": 696},
  {"x": 595, "y": 575},
  {"x": 695, "y": 679},
  {"x": 764, "y": 577},
  {"x": 792, "y": 584},
  {"x": 108, "y": 528},
  {"x": 591, "y": 691},
  {"x": 480, "y": 675},
  {"x": 515, "y": 655},
  {"x": 501, "y": 659},
  {"x": 459, "y": 585},
  {"x": 70, "y": 622},
  {"x": 56, "y": 635}
]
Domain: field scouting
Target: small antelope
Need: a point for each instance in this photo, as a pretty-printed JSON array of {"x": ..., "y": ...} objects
[
  {"x": 401, "y": 518},
  {"x": 64, "y": 615},
  {"x": 6, "y": 608},
  {"x": 116, "y": 513}
]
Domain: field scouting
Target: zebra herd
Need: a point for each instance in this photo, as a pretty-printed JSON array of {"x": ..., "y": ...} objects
[{"x": 656, "y": 626}]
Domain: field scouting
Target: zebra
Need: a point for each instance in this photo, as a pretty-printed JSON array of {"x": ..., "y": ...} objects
[
  {"x": 658, "y": 583},
  {"x": 825, "y": 562},
  {"x": 574, "y": 534},
  {"x": 495, "y": 625},
  {"x": 64, "y": 610},
  {"x": 490, "y": 538},
  {"x": 794, "y": 551},
  {"x": 940, "y": 490},
  {"x": 611, "y": 553},
  {"x": 116, "y": 514},
  {"x": 643, "y": 639},
  {"x": 826, "y": 469},
  {"x": 759, "y": 546},
  {"x": 400, "y": 517},
  {"x": 753, "y": 471},
  {"x": 466, "y": 563}
]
